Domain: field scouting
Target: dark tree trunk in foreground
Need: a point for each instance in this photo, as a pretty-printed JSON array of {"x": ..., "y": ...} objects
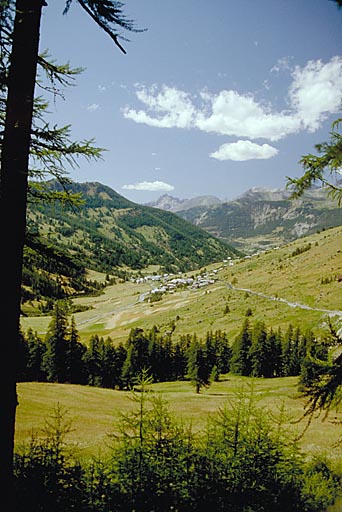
[{"x": 13, "y": 193}]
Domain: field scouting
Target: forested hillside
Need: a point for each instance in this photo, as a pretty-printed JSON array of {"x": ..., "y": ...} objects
[{"x": 110, "y": 234}]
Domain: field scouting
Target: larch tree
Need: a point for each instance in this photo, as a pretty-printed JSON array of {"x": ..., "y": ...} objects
[
  {"x": 324, "y": 167},
  {"x": 19, "y": 44}
]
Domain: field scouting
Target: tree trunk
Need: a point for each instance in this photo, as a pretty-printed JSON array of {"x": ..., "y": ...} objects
[{"x": 13, "y": 194}]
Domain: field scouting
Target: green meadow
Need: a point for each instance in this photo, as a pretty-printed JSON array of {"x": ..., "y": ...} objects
[{"x": 95, "y": 413}]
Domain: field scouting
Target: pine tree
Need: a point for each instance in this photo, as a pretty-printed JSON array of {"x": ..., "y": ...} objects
[
  {"x": 75, "y": 369},
  {"x": 93, "y": 360},
  {"x": 57, "y": 344},
  {"x": 179, "y": 360},
  {"x": 120, "y": 355},
  {"x": 275, "y": 348},
  {"x": 259, "y": 353},
  {"x": 137, "y": 358},
  {"x": 198, "y": 369},
  {"x": 112, "y": 362},
  {"x": 240, "y": 362}
]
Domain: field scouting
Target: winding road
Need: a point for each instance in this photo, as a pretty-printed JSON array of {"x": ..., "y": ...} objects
[{"x": 284, "y": 301}]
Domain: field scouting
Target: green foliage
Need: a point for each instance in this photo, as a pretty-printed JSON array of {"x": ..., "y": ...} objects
[
  {"x": 47, "y": 478},
  {"x": 199, "y": 369},
  {"x": 241, "y": 363},
  {"x": 316, "y": 167},
  {"x": 57, "y": 347},
  {"x": 51, "y": 273},
  {"x": 242, "y": 462},
  {"x": 262, "y": 353},
  {"x": 256, "y": 351},
  {"x": 321, "y": 378}
]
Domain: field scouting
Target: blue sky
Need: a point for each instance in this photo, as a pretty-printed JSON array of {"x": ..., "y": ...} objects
[{"x": 213, "y": 98}]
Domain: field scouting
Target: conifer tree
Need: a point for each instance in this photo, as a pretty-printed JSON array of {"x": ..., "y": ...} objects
[
  {"x": 75, "y": 369},
  {"x": 56, "y": 356},
  {"x": 259, "y": 353},
  {"x": 112, "y": 361},
  {"x": 93, "y": 360},
  {"x": 240, "y": 362},
  {"x": 137, "y": 359},
  {"x": 120, "y": 355},
  {"x": 179, "y": 360},
  {"x": 275, "y": 348},
  {"x": 199, "y": 369}
]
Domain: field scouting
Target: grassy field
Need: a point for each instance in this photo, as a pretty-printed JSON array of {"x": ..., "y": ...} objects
[
  {"x": 306, "y": 271},
  {"x": 95, "y": 412}
]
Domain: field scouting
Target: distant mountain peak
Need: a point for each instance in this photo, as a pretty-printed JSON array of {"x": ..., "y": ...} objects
[{"x": 174, "y": 204}]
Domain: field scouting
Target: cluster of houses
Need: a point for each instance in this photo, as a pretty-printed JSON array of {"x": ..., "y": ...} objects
[{"x": 168, "y": 283}]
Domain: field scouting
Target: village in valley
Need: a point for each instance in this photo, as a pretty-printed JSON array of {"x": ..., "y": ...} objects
[{"x": 169, "y": 283}]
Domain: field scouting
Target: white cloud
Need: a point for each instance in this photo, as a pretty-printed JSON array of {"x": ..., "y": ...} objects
[
  {"x": 244, "y": 150},
  {"x": 93, "y": 107},
  {"x": 314, "y": 93},
  {"x": 173, "y": 108},
  {"x": 102, "y": 88},
  {"x": 241, "y": 115},
  {"x": 151, "y": 186}
]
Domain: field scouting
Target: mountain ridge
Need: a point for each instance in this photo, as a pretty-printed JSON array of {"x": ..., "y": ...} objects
[
  {"x": 262, "y": 218},
  {"x": 174, "y": 204}
]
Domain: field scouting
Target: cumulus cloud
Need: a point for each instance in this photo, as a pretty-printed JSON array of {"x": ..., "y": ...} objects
[
  {"x": 173, "y": 108},
  {"x": 241, "y": 115},
  {"x": 243, "y": 150},
  {"x": 151, "y": 186},
  {"x": 314, "y": 93}
]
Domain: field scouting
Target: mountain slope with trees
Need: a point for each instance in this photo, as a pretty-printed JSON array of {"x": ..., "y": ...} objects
[{"x": 111, "y": 234}]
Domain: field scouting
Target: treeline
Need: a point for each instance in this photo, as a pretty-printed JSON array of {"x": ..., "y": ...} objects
[
  {"x": 256, "y": 351},
  {"x": 61, "y": 357},
  {"x": 241, "y": 462},
  {"x": 261, "y": 352}
]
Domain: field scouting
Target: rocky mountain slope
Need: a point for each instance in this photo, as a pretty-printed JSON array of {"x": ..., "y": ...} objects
[
  {"x": 264, "y": 218},
  {"x": 174, "y": 204}
]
